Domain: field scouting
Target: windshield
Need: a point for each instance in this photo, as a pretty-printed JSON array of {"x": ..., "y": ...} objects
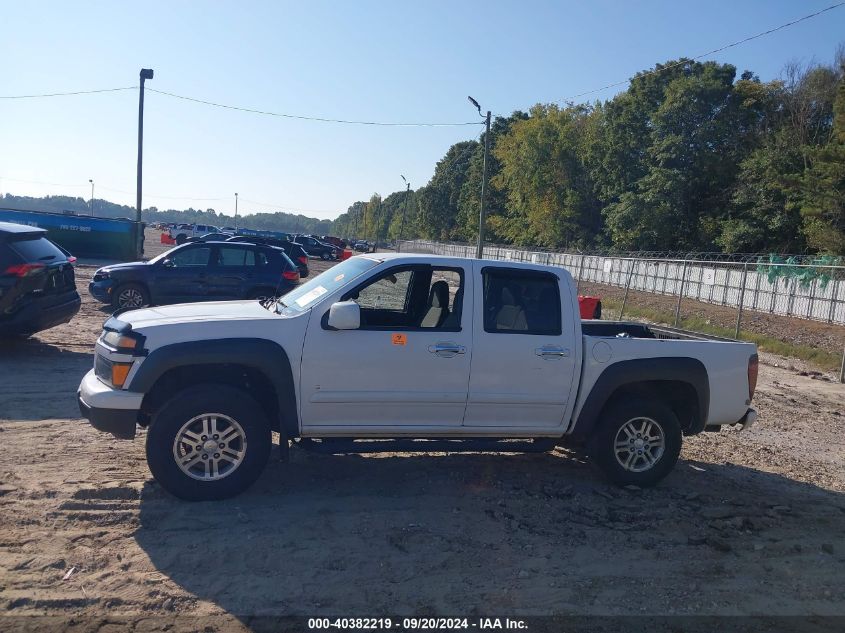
[{"x": 304, "y": 295}]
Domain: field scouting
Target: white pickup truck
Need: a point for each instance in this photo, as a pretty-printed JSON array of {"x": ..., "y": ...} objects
[{"x": 408, "y": 352}]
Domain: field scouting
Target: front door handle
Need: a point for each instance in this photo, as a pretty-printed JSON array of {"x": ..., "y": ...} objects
[
  {"x": 549, "y": 352},
  {"x": 447, "y": 350}
]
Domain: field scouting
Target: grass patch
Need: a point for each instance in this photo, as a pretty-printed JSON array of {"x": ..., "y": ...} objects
[{"x": 821, "y": 358}]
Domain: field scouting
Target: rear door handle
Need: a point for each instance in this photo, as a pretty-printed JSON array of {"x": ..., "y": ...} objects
[
  {"x": 447, "y": 350},
  {"x": 549, "y": 352}
]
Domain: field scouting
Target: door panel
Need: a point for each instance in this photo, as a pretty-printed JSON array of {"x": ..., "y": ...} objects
[
  {"x": 524, "y": 360},
  {"x": 186, "y": 279},
  {"x": 383, "y": 377},
  {"x": 231, "y": 271}
]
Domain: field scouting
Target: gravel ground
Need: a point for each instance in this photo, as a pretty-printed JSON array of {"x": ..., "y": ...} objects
[{"x": 749, "y": 523}]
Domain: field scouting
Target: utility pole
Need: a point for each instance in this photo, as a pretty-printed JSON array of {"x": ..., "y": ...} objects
[
  {"x": 146, "y": 73},
  {"x": 236, "y": 212},
  {"x": 92, "y": 196},
  {"x": 482, "y": 216},
  {"x": 404, "y": 210}
]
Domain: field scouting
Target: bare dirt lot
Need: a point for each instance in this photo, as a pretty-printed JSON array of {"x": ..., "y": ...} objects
[{"x": 749, "y": 523}]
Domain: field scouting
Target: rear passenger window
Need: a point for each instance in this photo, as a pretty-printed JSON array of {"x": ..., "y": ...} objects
[
  {"x": 521, "y": 302},
  {"x": 234, "y": 257}
]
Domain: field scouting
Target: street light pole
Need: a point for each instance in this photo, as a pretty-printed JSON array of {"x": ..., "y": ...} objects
[
  {"x": 92, "y": 196},
  {"x": 404, "y": 210},
  {"x": 146, "y": 73},
  {"x": 236, "y": 212},
  {"x": 482, "y": 216}
]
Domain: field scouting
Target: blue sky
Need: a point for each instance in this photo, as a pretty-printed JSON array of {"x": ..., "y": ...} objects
[{"x": 383, "y": 61}]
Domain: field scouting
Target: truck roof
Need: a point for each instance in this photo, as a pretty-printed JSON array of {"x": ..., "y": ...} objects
[{"x": 423, "y": 257}]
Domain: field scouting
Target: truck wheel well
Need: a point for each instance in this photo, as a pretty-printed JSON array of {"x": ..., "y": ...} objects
[
  {"x": 679, "y": 396},
  {"x": 249, "y": 379}
]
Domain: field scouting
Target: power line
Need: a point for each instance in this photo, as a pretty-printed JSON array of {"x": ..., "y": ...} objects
[
  {"x": 99, "y": 186},
  {"x": 67, "y": 94},
  {"x": 708, "y": 53},
  {"x": 308, "y": 118}
]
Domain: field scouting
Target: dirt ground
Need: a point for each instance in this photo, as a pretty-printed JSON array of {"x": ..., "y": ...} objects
[{"x": 749, "y": 523}]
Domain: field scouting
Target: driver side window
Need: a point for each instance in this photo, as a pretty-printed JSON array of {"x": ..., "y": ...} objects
[
  {"x": 387, "y": 293},
  {"x": 418, "y": 298}
]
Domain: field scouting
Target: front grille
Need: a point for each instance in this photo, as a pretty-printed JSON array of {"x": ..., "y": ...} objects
[{"x": 102, "y": 368}]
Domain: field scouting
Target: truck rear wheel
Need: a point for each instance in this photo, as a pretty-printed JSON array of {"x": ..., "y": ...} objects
[
  {"x": 637, "y": 442},
  {"x": 208, "y": 442}
]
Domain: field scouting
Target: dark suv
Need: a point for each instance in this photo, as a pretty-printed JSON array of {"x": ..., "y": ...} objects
[
  {"x": 37, "y": 282},
  {"x": 316, "y": 248},
  {"x": 296, "y": 253},
  {"x": 199, "y": 271}
]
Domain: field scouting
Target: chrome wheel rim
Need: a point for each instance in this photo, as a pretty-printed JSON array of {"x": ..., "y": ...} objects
[
  {"x": 639, "y": 444},
  {"x": 130, "y": 298},
  {"x": 209, "y": 447}
]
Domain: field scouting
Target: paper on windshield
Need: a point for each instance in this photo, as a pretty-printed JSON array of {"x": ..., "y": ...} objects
[{"x": 310, "y": 296}]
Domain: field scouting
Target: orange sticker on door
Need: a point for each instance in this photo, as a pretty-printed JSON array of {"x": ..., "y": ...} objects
[{"x": 399, "y": 339}]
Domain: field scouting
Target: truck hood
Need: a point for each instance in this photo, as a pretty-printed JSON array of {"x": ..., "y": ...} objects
[{"x": 205, "y": 312}]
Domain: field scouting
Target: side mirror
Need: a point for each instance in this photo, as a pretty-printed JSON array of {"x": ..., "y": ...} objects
[
  {"x": 168, "y": 263},
  {"x": 345, "y": 315}
]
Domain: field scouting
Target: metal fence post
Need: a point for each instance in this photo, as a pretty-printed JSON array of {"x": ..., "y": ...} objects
[
  {"x": 580, "y": 268},
  {"x": 680, "y": 294},
  {"x": 741, "y": 299},
  {"x": 628, "y": 287},
  {"x": 842, "y": 367}
]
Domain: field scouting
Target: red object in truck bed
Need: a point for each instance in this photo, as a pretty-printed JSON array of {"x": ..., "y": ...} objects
[{"x": 590, "y": 307}]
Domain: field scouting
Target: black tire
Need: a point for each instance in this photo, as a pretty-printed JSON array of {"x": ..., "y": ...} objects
[
  {"x": 130, "y": 297},
  {"x": 194, "y": 402},
  {"x": 603, "y": 452},
  {"x": 180, "y": 239},
  {"x": 597, "y": 311},
  {"x": 325, "y": 256}
]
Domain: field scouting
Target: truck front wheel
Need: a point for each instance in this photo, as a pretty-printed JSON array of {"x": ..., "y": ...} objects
[
  {"x": 208, "y": 442},
  {"x": 637, "y": 442}
]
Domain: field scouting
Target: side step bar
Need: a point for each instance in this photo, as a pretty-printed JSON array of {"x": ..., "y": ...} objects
[{"x": 339, "y": 446}]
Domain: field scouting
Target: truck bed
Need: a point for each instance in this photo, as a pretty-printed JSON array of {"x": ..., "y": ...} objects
[{"x": 633, "y": 329}]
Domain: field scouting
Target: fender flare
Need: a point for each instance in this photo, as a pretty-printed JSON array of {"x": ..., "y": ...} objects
[
  {"x": 628, "y": 372},
  {"x": 263, "y": 355}
]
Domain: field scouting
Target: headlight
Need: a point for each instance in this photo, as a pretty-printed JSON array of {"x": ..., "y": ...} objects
[
  {"x": 100, "y": 275},
  {"x": 122, "y": 342}
]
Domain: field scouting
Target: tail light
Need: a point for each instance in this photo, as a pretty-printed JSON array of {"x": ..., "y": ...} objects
[
  {"x": 24, "y": 270},
  {"x": 303, "y": 260},
  {"x": 291, "y": 275},
  {"x": 753, "y": 367},
  {"x": 71, "y": 259}
]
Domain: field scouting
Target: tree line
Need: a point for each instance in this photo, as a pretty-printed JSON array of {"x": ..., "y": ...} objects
[
  {"x": 276, "y": 221},
  {"x": 689, "y": 157}
]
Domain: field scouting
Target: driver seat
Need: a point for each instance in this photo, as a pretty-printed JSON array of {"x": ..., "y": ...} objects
[{"x": 438, "y": 305}]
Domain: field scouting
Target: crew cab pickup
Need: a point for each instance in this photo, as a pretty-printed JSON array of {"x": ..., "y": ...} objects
[{"x": 408, "y": 352}]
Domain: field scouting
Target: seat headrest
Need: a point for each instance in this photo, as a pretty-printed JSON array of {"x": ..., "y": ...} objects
[{"x": 438, "y": 296}]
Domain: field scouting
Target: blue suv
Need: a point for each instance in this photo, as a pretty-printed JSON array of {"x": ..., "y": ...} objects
[{"x": 199, "y": 271}]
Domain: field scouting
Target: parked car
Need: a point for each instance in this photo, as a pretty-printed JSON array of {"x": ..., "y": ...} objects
[
  {"x": 182, "y": 232},
  {"x": 211, "y": 383},
  {"x": 199, "y": 271},
  {"x": 296, "y": 253},
  {"x": 210, "y": 237},
  {"x": 37, "y": 281},
  {"x": 362, "y": 246},
  {"x": 316, "y": 248},
  {"x": 334, "y": 241}
]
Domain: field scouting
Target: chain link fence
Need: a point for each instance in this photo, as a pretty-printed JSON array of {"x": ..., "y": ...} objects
[{"x": 811, "y": 288}]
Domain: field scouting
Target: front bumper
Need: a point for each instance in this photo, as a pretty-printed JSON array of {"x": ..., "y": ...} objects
[
  {"x": 101, "y": 290},
  {"x": 110, "y": 410}
]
